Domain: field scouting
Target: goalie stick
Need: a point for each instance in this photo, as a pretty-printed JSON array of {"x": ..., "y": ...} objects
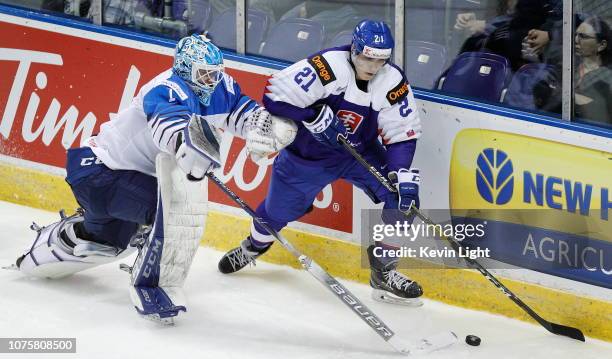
[
  {"x": 424, "y": 345},
  {"x": 554, "y": 328}
]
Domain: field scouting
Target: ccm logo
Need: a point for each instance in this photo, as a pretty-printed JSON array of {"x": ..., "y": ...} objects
[
  {"x": 323, "y": 69},
  {"x": 397, "y": 93},
  {"x": 88, "y": 161}
]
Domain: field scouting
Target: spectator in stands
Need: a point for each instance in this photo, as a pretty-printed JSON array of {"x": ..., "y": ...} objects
[
  {"x": 468, "y": 22},
  {"x": 480, "y": 30},
  {"x": 593, "y": 84},
  {"x": 545, "y": 43},
  {"x": 504, "y": 35}
]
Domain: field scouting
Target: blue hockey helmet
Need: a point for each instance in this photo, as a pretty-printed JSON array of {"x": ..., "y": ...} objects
[
  {"x": 200, "y": 64},
  {"x": 373, "y": 39}
]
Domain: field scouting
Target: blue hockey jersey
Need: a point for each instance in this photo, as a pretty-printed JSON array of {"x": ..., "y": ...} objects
[{"x": 160, "y": 110}]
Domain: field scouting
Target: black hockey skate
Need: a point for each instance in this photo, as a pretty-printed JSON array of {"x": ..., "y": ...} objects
[
  {"x": 240, "y": 257},
  {"x": 391, "y": 286}
]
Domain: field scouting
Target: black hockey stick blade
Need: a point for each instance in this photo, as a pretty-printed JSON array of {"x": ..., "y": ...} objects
[
  {"x": 558, "y": 329},
  {"x": 566, "y": 331}
]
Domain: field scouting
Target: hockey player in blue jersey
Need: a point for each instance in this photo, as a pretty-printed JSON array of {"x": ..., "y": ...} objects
[
  {"x": 353, "y": 91},
  {"x": 115, "y": 177}
]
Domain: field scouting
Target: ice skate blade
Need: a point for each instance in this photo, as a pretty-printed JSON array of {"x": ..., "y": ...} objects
[
  {"x": 157, "y": 319},
  {"x": 380, "y": 295}
]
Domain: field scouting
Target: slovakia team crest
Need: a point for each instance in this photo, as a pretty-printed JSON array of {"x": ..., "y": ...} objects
[{"x": 351, "y": 120}]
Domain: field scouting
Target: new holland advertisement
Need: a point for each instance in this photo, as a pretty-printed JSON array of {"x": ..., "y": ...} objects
[{"x": 547, "y": 204}]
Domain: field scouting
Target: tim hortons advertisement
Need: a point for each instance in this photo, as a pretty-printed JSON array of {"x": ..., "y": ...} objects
[{"x": 57, "y": 89}]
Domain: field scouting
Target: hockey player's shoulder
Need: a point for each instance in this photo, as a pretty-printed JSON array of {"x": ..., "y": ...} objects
[
  {"x": 390, "y": 86},
  {"x": 330, "y": 65},
  {"x": 172, "y": 85},
  {"x": 229, "y": 83}
]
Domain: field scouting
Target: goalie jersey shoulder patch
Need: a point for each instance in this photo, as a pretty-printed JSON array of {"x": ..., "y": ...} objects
[{"x": 322, "y": 68}]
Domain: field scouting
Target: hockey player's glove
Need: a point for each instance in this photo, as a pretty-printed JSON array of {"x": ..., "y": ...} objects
[
  {"x": 197, "y": 149},
  {"x": 258, "y": 134},
  {"x": 407, "y": 184},
  {"x": 326, "y": 127},
  {"x": 266, "y": 134}
]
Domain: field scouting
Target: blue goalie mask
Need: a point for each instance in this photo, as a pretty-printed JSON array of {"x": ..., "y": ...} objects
[
  {"x": 373, "y": 39},
  {"x": 200, "y": 64}
]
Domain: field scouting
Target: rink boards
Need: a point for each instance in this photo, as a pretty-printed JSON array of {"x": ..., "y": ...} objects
[{"x": 69, "y": 77}]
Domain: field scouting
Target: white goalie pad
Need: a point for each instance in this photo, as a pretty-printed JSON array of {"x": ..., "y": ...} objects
[
  {"x": 163, "y": 263},
  {"x": 50, "y": 257}
]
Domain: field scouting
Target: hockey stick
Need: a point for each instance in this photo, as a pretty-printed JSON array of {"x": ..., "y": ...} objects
[
  {"x": 554, "y": 328},
  {"x": 424, "y": 345}
]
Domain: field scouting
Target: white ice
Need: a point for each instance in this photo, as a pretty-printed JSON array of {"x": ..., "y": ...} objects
[{"x": 267, "y": 311}]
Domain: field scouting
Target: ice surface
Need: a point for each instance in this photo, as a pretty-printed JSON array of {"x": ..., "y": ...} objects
[{"x": 267, "y": 311}]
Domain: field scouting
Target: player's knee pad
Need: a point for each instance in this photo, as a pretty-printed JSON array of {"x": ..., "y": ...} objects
[{"x": 58, "y": 252}]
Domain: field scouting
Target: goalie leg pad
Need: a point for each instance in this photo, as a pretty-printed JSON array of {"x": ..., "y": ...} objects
[
  {"x": 57, "y": 252},
  {"x": 164, "y": 261}
]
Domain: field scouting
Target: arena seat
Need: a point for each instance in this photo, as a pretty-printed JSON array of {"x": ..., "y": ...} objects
[
  {"x": 341, "y": 39},
  {"x": 520, "y": 91},
  {"x": 223, "y": 29},
  {"x": 479, "y": 75},
  {"x": 424, "y": 62},
  {"x": 293, "y": 39}
]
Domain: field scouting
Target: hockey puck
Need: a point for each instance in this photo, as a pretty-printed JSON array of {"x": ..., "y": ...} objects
[{"x": 472, "y": 340}]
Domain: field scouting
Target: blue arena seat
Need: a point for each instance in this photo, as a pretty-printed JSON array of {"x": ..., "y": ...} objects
[
  {"x": 196, "y": 13},
  {"x": 520, "y": 91},
  {"x": 294, "y": 39},
  {"x": 341, "y": 39},
  {"x": 424, "y": 62},
  {"x": 479, "y": 75},
  {"x": 223, "y": 29}
]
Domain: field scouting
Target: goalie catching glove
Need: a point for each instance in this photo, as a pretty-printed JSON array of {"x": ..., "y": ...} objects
[
  {"x": 266, "y": 134},
  {"x": 197, "y": 149}
]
